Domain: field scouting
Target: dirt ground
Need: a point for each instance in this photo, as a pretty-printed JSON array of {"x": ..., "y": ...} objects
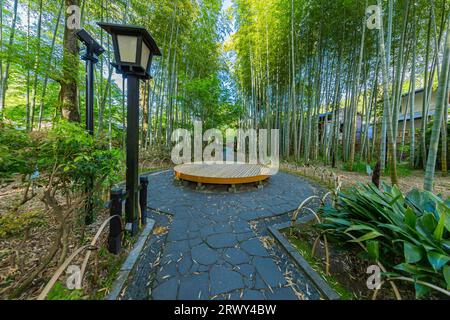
[
  {"x": 24, "y": 247},
  {"x": 408, "y": 183},
  {"x": 29, "y": 239},
  {"x": 414, "y": 181}
]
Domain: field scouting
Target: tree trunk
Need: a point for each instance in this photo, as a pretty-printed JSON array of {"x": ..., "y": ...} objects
[
  {"x": 412, "y": 144},
  {"x": 4, "y": 83},
  {"x": 1, "y": 60},
  {"x": 387, "y": 56},
  {"x": 423, "y": 151},
  {"x": 49, "y": 62},
  {"x": 28, "y": 105},
  {"x": 390, "y": 133},
  {"x": 354, "y": 109},
  {"x": 444, "y": 139},
  {"x": 442, "y": 102},
  {"x": 69, "y": 82},
  {"x": 36, "y": 66}
]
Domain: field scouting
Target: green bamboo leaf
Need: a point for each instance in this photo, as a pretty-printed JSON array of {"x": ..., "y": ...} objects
[
  {"x": 373, "y": 248},
  {"x": 392, "y": 227},
  {"x": 386, "y": 187},
  {"x": 437, "y": 260},
  {"x": 408, "y": 268},
  {"x": 396, "y": 192},
  {"x": 421, "y": 290},
  {"x": 360, "y": 227},
  {"x": 338, "y": 221},
  {"x": 394, "y": 200},
  {"x": 426, "y": 238},
  {"x": 367, "y": 236},
  {"x": 419, "y": 269},
  {"x": 447, "y": 276},
  {"x": 410, "y": 218},
  {"x": 444, "y": 209},
  {"x": 446, "y": 244},
  {"x": 428, "y": 221},
  {"x": 412, "y": 253},
  {"x": 439, "y": 231}
]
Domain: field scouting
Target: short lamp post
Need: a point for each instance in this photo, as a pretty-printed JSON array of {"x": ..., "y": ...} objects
[
  {"x": 134, "y": 49},
  {"x": 93, "y": 51}
]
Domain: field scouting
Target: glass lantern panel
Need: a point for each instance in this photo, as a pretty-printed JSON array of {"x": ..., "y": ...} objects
[
  {"x": 145, "y": 55},
  {"x": 127, "y": 48}
]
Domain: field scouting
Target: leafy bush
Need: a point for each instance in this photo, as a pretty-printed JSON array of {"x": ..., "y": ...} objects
[
  {"x": 157, "y": 155},
  {"x": 360, "y": 166},
  {"x": 403, "y": 170},
  {"x": 74, "y": 156},
  {"x": 407, "y": 234},
  {"x": 66, "y": 149},
  {"x": 59, "y": 292},
  {"x": 65, "y": 158},
  {"x": 14, "y": 151},
  {"x": 13, "y": 223}
]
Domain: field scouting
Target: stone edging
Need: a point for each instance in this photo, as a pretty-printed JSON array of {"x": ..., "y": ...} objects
[
  {"x": 143, "y": 174},
  {"x": 130, "y": 262},
  {"x": 321, "y": 284}
]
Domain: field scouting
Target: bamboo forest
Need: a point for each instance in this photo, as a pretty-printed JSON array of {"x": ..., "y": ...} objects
[{"x": 265, "y": 150}]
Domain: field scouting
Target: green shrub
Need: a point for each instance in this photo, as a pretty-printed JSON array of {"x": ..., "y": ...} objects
[
  {"x": 59, "y": 292},
  {"x": 13, "y": 223},
  {"x": 156, "y": 155},
  {"x": 358, "y": 166},
  {"x": 408, "y": 235},
  {"x": 67, "y": 153},
  {"x": 74, "y": 156},
  {"x": 14, "y": 151},
  {"x": 403, "y": 169}
]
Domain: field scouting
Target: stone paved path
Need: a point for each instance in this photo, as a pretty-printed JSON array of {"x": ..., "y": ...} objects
[{"x": 210, "y": 250}]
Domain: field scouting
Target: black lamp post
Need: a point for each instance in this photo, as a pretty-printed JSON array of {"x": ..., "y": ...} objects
[
  {"x": 93, "y": 51},
  {"x": 134, "y": 49}
]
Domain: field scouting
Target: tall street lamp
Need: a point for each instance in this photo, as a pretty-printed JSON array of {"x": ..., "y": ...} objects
[
  {"x": 93, "y": 51},
  {"x": 134, "y": 49}
]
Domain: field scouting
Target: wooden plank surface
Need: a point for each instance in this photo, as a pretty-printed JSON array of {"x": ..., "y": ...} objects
[{"x": 235, "y": 173}]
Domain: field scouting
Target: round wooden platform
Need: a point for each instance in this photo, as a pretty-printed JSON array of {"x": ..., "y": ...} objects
[{"x": 231, "y": 174}]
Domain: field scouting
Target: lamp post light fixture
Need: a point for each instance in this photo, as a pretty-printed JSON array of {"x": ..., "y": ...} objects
[
  {"x": 93, "y": 51},
  {"x": 134, "y": 49}
]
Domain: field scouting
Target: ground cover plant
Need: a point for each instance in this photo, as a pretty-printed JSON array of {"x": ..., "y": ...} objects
[{"x": 407, "y": 234}]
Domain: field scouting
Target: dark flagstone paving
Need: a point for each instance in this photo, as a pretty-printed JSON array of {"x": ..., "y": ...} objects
[{"x": 212, "y": 249}]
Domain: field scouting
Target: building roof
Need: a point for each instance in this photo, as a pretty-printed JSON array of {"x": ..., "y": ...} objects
[
  {"x": 325, "y": 114},
  {"x": 407, "y": 94},
  {"x": 417, "y": 115},
  {"x": 322, "y": 115},
  {"x": 416, "y": 92}
]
